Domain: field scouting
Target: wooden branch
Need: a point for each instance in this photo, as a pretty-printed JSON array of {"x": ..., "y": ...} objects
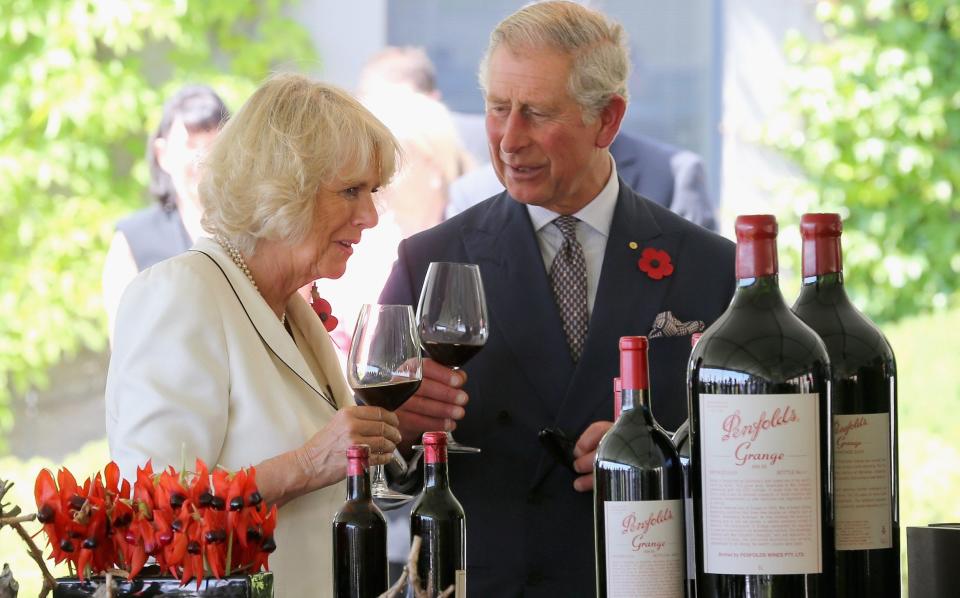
[
  {"x": 36, "y": 555},
  {"x": 13, "y": 519},
  {"x": 409, "y": 577},
  {"x": 21, "y": 519}
]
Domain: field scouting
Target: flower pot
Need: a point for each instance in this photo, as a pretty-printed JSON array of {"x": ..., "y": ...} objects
[{"x": 259, "y": 585}]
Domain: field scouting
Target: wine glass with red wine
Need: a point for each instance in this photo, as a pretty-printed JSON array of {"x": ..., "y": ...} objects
[
  {"x": 452, "y": 320},
  {"x": 384, "y": 369}
]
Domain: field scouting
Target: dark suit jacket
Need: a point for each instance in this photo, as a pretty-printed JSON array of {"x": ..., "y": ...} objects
[
  {"x": 528, "y": 532},
  {"x": 664, "y": 174}
]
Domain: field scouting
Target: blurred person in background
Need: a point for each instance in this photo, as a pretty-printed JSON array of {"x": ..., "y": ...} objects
[
  {"x": 191, "y": 119},
  {"x": 411, "y": 67},
  {"x": 216, "y": 355}
]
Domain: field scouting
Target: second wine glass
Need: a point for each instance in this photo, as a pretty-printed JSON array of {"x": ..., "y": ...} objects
[
  {"x": 452, "y": 320},
  {"x": 384, "y": 369}
]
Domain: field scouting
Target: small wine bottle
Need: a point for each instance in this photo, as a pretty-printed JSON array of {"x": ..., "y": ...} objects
[
  {"x": 759, "y": 439},
  {"x": 681, "y": 440},
  {"x": 864, "y": 375},
  {"x": 438, "y": 519},
  {"x": 359, "y": 534},
  {"x": 637, "y": 494}
]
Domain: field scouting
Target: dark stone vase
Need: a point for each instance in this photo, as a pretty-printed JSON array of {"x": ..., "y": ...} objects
[{"x": 259, "y": 585}]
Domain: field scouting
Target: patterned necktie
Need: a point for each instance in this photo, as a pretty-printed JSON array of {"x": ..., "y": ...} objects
[{"x": 568, "y": 278}]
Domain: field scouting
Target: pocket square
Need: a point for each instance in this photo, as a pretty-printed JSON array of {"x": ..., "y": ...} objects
[{"x": 665, "y": 324}]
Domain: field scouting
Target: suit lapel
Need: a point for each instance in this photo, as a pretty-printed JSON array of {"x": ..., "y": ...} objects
[
  {"x": 504, "y": 245},
  {"x": 268, "y": 327}
]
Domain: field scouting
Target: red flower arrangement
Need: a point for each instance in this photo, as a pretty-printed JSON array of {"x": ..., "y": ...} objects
[
  {"x": 182, "y": 521},
  {"x": 656, "y": 263},
  {"x": 323, "y": 309}
]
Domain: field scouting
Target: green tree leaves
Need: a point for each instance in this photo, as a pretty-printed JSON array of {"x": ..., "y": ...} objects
[
  {"x": 879, "y": 142},
  {"x": 81, "y": 85}
]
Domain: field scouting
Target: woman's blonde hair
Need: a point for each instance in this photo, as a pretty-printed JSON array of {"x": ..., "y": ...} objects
[
  {"x": 597, "y": 44},
  {"x": 292, "y": 137}
]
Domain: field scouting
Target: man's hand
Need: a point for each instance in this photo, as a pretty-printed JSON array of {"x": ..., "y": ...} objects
[
  {"x": 584, "y": 453},
  {"x": 436, "y": 406}
]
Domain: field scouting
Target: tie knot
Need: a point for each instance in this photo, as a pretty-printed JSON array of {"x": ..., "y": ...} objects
[{"x": 567, "y": 226}]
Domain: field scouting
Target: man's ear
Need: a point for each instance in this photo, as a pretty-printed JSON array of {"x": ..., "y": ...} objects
[{"x": 610, "y": 118}]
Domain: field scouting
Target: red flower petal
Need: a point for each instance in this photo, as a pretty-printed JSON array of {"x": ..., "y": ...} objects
[
  {"x": 323, "y": 309},
  {"x": 655, "y": 263}
]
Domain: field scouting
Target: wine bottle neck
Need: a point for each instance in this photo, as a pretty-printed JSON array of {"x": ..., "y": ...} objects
[
  {"x": 435, "y": 475},
  {"x": 358, "y": 486},
  {"x": 633, "y": 398},
  {"x": 821, "y": 254},
  {"x": 758, "y": 293},
  {"x": 756, "y": 257}
]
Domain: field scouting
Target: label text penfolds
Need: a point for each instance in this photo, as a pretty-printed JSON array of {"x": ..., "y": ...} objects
[
  {"x": 735, "y": 429},
  {"x": 632, "y": 524},
  {"x": 841, "y": 432}
]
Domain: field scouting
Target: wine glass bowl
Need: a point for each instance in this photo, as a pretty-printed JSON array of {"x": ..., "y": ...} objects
[
  {"x": 452, "y": 320},
  {"x": 384, "y": 369}
]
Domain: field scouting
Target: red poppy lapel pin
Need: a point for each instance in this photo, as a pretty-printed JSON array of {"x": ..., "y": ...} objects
[
  {"x": 322, "y": 307},
  {"x": 655, "y": 263}
]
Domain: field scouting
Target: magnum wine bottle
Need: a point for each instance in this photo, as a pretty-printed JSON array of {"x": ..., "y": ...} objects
[
  {"x": 638, "y": 494},
  {"x": 759, "y": 439},
  {"x": 359, "y": 534},
  {"x": 864, "y": 375},
  {"x": 438, "y": 519},
  {"x": 681, "y": 440}
]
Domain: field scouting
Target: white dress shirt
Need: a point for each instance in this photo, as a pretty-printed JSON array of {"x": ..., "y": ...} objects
[{"x": 592, "y": 231}]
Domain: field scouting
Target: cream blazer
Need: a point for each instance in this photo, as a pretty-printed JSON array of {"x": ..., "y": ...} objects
[{"x": 201, "y": 367}]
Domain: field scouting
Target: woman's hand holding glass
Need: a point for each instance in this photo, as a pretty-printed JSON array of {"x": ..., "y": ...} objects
[
  {"x": 384, "y": 369},
  {"x": 319, "y": 462}
]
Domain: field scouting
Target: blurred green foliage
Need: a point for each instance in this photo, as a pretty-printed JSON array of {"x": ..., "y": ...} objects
[
  {"x": 82, "y": 83},
  {"x": 878, "y": 140}
]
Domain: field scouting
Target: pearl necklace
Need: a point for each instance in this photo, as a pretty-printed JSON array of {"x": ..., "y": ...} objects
[{"x": 237, "y": 258}]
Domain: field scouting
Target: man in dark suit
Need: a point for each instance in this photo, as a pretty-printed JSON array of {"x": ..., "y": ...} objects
[
  {"x": 669, "y": 176},
  {"x": 560, "y": 256}
]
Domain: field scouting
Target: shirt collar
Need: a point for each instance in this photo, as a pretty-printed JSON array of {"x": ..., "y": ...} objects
[{"x": 598, "y": 213}]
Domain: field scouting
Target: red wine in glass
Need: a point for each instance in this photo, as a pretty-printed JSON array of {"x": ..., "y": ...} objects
[
  {"x": 452, "y": 355},
  {"x": 452, "y": 320},
  {"x": 388, "y": 395},
  {"x": 384, "y": 369}
]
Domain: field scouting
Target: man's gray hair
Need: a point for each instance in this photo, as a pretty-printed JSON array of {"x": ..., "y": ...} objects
[{"x": 598, "y": 45}]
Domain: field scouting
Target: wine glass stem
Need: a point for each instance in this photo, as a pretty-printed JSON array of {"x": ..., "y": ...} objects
[{"x": 379, "y": 481}]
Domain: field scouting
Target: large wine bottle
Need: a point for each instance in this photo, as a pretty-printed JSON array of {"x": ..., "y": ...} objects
[
  {"x": 681, "y": 440},
  {"x": 359, "y": 534},
  {"x": 637, "y": 494},
  {"x": 759, "y": 439},
  {"x": 864, "y": 419},
  {"x": 438, "y": 519}
]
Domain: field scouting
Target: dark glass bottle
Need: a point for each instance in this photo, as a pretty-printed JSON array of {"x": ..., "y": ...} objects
[
  {"x": 438, "y": 519},
  {"x": 638, "y": 494},
  {"x": 760, "y": 439},
  {"x": 681, "y": 440},
  {"x": 864, "y": 419},
  {"x": 359, "y": 534}
]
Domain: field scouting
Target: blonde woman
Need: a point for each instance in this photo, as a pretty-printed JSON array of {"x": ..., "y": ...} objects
[
  {"x": 217, "y": 356},
  {"x": 416, "y": 199}
]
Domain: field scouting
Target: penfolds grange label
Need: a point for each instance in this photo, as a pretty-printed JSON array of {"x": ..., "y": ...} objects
[
  {"x": 760, "y": 480},
  {"x": 863, "y": 496},
  {"x": 644, "y": 548}
]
